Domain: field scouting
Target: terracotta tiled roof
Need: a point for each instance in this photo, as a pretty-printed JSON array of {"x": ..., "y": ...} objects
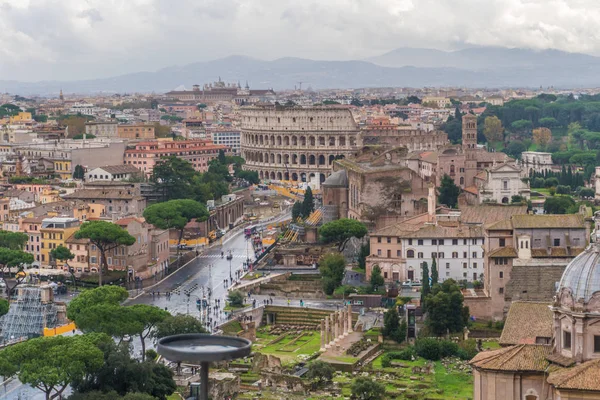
[
  {"x": 560, "y": 360},
  {"x": 472, "y": 189},
  {"x": 488, "y": 213},
  {"x": 585, "y": 376},
  {"x": 120, "y": 169},
  {"x": 528, "y": 221},
  {"x": 523, "y": 357},
  {"x": 556, "y": 252},
  {"x": 503, "y": 252},
  {"x": 504, "y": 225},
  {"x": 525, "y": 322}
]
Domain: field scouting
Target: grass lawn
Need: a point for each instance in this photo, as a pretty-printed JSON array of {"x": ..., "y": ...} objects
[
  {"x": 491, "y": 345},
  {"x": 440, "y": 385},
  {"x": 290, "y": 346}
]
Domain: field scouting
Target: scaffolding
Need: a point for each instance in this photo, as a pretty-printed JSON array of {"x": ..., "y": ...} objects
[{"x": 32, "y": 311}]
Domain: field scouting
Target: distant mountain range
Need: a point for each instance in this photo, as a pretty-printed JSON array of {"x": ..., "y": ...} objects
[{"x": 404, "y": 67}]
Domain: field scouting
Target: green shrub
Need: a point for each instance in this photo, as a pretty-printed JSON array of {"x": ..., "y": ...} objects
[
  {"x": 468, "y": 349},
  {"x": 499, "y": 325},
  {"x": 428, "y": 348},
  {"x": 405, "y": 354},
  {"x": 151, "y": 354},
  {"x": 448, "y": 348}
]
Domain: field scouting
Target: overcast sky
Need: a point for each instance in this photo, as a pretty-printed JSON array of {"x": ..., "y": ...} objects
[{"x": 76, "y": 39}]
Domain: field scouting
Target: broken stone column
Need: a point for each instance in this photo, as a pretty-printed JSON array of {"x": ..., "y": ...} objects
[
  {"x": 336, "y": 323},
  {"x": 322, "y": 335},
  {"x": 327, "y": 335},
  {"x": 340, "y": 325},
  {"x": 350, "y": 319}
]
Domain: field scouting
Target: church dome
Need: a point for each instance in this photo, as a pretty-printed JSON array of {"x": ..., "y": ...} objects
[{"x": 582, "y": 276}]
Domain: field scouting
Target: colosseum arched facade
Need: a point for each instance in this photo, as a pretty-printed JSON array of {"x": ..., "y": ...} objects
[{"x": 296, "y": 143}]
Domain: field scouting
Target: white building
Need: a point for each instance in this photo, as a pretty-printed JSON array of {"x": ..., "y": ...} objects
[
  {"x": 84, "y": 109},
  {"x": 401, "y": 251},
  {"x": 229, "y": 138},
  {"x": 112, "y": 173},
  {"x": 502, "y": 182}
]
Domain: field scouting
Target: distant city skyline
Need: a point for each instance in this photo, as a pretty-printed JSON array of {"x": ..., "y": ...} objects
[{"x": 69, "y": 40}]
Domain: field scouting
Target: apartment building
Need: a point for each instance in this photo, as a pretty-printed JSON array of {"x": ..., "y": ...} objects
[
  {"x": 102, "y": 129},
  {"x": 32, "y": 227},
  {"x": 228, "y": 138},
  {"x": 144, "y": 155},
  {"x": 402, "y": 250},
  {"x": 54, "y": 232},
  {"x": 136, "y": 131}
]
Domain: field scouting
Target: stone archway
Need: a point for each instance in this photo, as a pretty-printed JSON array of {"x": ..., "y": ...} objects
[
  {"x": 505, "y": 200},
  {"x": 295, "y": 177}
]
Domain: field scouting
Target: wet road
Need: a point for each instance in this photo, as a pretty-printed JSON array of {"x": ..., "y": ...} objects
[{"x": 209, "y": 270}]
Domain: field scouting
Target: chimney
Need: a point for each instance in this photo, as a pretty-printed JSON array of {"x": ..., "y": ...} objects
[{"x": 431, "y": 202}]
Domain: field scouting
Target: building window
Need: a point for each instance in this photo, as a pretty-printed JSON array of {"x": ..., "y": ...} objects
[
  {"x": 93, "y": 259},
  {"x": 409, "y": 241},
  {"x": 434, "y": 242},
  {"x": 455, "y": 254},
  {"x": 420, "y": 242},
  {"x": 434, "y": 255},
  {"x": 389, "y": 239},
  {"x": 474, "y": 265},
  {"x": 464, "y": 254},
  {"x": 567, "y": 340},
  {"x": 455, "y": 242},
  {"x": 410, "y": 254},
  {"x": 447, "y": 273},
  {"x": 378, "y": 252},
  {"x": 378, "y": 239},
  {"x": 474, "y": 241},
  {"x": 501, "y": 274},
  {"x": 556, "y": 242},
  {"x": 474, "y": 254},
  {"x": 447, "y": 265},
  {"x": 502, "y": 242},
  {"x": 464, "y": 265},
  {"x": 440, "y": 255},
  {"x": 441, "y": 241},
  {"x": 420, "y": 255},
  {"x": 398, "y": 241},
  {"x": 398, "y": 253},
  {"x": 596, "y": 344},
  {"x": 501, "y": 290}
]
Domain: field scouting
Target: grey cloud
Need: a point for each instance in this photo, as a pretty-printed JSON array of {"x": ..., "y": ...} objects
[{"x": 71, "y": 39}]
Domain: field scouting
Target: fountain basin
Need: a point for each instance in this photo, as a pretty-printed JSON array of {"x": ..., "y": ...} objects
[{"x": 199, "y": 348}]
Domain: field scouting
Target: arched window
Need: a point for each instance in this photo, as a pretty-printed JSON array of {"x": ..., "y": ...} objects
[{"x": 410, "y": 254}]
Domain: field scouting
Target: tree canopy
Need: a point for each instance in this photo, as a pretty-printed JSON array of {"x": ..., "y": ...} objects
[
  {"x": 50, "y": 364},
  {"x": 333, "y": 268},
  {"x": 175, "y": 214},
  {"x": 178, "y": 324},
  {"x": 62, "y": 253},
  {"x": 445, "y": 308},
  {"x": 365, "y": 388},
  {"x": 105, "y": 236},
  {"x": 341, "y": 230},
  {"x": 448, "y": 192}
]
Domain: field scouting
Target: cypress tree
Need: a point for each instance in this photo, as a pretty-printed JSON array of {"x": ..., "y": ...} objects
[
  {"x": 434, "y": 272},
  {"x": 425, "y": 282},
  {"x": 308, "y": 204}
]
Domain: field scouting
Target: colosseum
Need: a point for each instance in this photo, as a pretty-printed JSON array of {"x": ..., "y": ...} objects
[{"x": 296, "y": 143}]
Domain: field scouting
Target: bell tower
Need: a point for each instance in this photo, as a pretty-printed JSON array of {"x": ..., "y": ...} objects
[
  {"x": 469, "y": 131},
  {"x": 469, "y": 145}
]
